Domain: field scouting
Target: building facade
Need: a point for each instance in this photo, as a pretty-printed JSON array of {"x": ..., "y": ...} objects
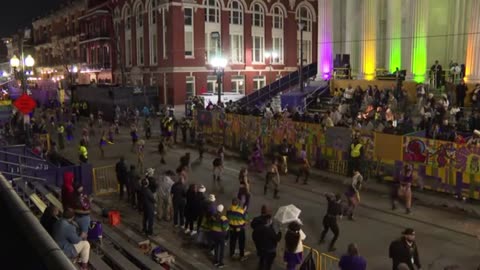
[
  {"x": 170, "y": 43},
  {"x": 56, "y": 41},
  {"x": 96, "y": 43}
]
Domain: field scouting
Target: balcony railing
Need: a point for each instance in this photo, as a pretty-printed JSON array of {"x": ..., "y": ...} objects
[{"x": 94, "y": 35}]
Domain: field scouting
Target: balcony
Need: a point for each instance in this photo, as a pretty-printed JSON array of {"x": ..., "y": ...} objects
[
  {"x": 97, "y": 67},
  {"x": 101, "y": 35}
]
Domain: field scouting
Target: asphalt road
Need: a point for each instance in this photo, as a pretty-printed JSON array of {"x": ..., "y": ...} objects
[{"x": 373, "y": 230}]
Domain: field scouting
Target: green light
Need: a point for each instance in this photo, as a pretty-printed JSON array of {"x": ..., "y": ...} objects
[
  {"x": 419, "y": 58},
  {"x": 395, "y": 55}
]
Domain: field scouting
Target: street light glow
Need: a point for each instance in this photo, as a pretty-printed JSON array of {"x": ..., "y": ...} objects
[
  {"x": 29, "y": 61},
  {"x": 15, "y": 62},
  {"x": 219, "y": 62}
]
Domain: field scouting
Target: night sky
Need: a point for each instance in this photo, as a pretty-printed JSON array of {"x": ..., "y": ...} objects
[{"x": 19, "y": 13}]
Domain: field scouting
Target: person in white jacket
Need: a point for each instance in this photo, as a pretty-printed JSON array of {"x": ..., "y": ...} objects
[{"x": 294, "y": 238}]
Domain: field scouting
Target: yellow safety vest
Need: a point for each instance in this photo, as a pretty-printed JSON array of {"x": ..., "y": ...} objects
[
  {"x": 83, "y": 152},
  {"x": 60, "y": 129},
  {"x": 355, "y": 150}
]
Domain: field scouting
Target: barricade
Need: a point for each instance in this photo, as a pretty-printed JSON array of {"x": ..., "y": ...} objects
[
  {"x": 104, "y": 180},
  {"x": 323, "y": 261}
]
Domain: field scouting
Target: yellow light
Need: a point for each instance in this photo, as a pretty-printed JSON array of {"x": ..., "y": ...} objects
[
  {"x": 29, "y": 61},
  {"x": 15, "y": 62}
]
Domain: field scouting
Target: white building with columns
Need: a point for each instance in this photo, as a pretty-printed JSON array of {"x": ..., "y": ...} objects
[{"x": 409, "y": 34}]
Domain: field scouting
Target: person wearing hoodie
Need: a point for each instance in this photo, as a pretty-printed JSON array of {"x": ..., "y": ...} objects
[
  {"x": 148, "y": 189},
  {"x": 266, "y": 240},
  {"x": 178, "y": 193},
  {"x": 67, "y": 190},
  {"x": 191, "y": 214},
  {"x": 352, "y": 260},
  {"x": 218, "y": 234},
  {"x": 82, "y": 210},
  {"x": 164, "y": 201}
]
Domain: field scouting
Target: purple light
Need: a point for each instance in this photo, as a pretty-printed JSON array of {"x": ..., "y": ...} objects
[{"x": 325, "y": 38}]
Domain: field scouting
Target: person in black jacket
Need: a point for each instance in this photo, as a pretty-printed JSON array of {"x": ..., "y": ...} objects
[
  {"x": 122, "y": 175},
  {"x": 148, "y": 188},
  {"x": 178, "y": 192},
  {"x": 266, "y": 239},
  {"x": 191, "y": 213},
  {"x": 334, "y": 209},
  {"x": 262, "y": 219},
  {"x": 404, "y": 250},
  {"x": 49, "y": 217}
]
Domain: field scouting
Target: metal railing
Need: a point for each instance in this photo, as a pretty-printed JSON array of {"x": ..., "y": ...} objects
[
  {"x": 104, "y": 180},
  {"x": 323, "y": 261},
  {"x": 38, "y": 238}
]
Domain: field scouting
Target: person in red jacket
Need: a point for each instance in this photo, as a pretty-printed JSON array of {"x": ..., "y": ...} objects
[{"x": 67, "y": 190}]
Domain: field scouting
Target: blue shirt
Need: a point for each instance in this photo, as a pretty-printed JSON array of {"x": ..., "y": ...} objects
[{"x": 348, "y": 262}]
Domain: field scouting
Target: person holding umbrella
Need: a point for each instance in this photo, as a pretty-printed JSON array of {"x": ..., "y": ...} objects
[{"x": 334, "y": 209}]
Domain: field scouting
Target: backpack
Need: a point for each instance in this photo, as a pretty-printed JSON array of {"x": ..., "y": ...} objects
[{"x": 217, "y": 162}]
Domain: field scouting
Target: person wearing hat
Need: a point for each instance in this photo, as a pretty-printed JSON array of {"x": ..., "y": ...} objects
[
  {"x": 207, "y": 211},
  {"x": 218, "y": 234},
  {"x": 334, "y": 209},
  {"x": 404, "y": 250}
]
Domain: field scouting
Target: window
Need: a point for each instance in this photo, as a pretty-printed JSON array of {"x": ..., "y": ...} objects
[
  {"x": 140, "y": 50},
  {"x": 92, "y": 56},
  {"x": 259, "y": 82},
  {"x": 106, "y": 57},
  {"x": 278, "y": 49},
  {"x": 188, "y": 21},
  {"x": 212, "y": 46},
  {"x": 307, "y": 51},
  {"x": 258, "y": 49},
  {"x": 128, "y": 52},
  {"x": 190, "y": 86},
  {"x": 257, "y": 15},
  {"x": 212, "y": 84},
  {"x": 278, "y": 18},
  {"x": 164, "y": 34},
  {"x": 238, "y": 84},
  {"x": 212, "y": 11},
  {"x": 236, "y": 13},
  {"x": 153, "y": 12},
  {"x": 139, "y": 17},
  {"x": 128, "y": 22},
  {"x": 304, "y": 16},
  {"x": 154, "y": 48},
  {"x": 236, "y": 46}
]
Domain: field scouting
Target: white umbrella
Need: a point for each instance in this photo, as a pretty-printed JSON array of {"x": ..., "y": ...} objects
[{"x": 288, "y": 213}]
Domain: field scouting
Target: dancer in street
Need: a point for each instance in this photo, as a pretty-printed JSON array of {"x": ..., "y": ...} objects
[
  {"x": 353, "y": 193},
  {"x": 272, "y": 177},
  {"x": 334, "y": 210},
  {"x": 217, "y": 174},
  {"x": 404, "y": 189},
  {"x": 244, "y": 189}
]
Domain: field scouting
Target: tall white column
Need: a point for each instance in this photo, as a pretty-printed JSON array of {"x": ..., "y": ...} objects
[
  {"x": 419, "y": 14},
  {"x": 394, "y": 35},
  {"x": 368, "y": 43},
  {"x": 458, "y": 24},
  {"x": 352, "y": 33},
  {"x": 472, "y": 62},
  {"x": 325, "y": 39}
]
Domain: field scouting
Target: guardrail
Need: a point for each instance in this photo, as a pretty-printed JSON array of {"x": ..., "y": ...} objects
[
  {"x": 104, "y": 180},
  {"x": 323, "y": 261},
  {"x": 38, "y": 238}
]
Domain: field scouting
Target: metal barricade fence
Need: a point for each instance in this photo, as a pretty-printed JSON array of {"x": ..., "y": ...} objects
[
  {"x": 323, "y": 261},
  {"x": 104, "y": 180}
]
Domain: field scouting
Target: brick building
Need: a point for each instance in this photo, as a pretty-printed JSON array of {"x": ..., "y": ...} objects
[
  {"x": 96, "y": 43},
  {"x": 56, "y": 41},
  {"x": 169, "y": 43}
]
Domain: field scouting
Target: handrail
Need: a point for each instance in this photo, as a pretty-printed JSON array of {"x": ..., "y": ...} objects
[
  {"x": 319, "y": 261},
  {"x": 38, "y": 238}
]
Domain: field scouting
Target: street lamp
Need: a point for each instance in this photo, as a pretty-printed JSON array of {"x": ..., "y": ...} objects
[
  {"x": 28, "y": 62},
  {"x": 219, "y": 64},
  {"x": 301, "y": 27},
  {"x": 271, "y": 55}
]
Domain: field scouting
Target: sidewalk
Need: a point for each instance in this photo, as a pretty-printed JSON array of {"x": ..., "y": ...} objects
[{"x": 425, "y": 198}]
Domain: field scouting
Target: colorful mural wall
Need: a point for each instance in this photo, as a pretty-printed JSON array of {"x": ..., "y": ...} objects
[{"x": 439, "y": 165}]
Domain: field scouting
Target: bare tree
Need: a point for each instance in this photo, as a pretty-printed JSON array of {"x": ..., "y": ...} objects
[{"x": 66, "y": 55}]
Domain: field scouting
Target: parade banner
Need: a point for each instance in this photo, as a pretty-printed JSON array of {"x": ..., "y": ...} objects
[
  {"x": 338, "y": 138},
  {"x": 388, "y": 147}
]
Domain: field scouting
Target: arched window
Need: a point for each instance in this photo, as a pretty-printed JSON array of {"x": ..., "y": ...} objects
[
  {"x": 305, "y": 16},
  {"x": 212, "y": 11},
  {"x": 258, "y": 15},
  {"x": 139, "y": 16},
  {"x": 278, "y": 17},
  {"x": 236, "y": 12},
  {"x": 153, "y": 12},
  {"x": 128, "y": 15}
]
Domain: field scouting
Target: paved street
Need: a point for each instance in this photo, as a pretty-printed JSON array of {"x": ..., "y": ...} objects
[{"x": 444, "y": 238}]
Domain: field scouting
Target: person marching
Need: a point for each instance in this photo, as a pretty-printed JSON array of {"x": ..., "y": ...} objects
[
  {"x": 103, "y": 142},
  {"x": 111, "y": 132},
  {"x": 85, "y": 136},
  {"x": 148, "y": 128},
  {"x": 244, "y": 194},
  {"x": 162, "y": 150},
  {"x": 140, "y": 154},
  {"x": 304, "y": 169},
  {"x": 272, "y": 177},
  {"x": 353, "y": 193},
  {"x": 217, "y": 174},
  {"x": 334, "y": 209},
  {"x": 237, "y": 219},
  {"x": 404, "y": 189},
  {"x": 69, "y": 131},
  {"x": 134, "y": 136},
  {"x": 61, "y": 138},
  {"x": 284, "y": 150},
  {"x": 200, "y": 145}
]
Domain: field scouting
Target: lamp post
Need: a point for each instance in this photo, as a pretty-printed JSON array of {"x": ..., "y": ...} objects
[
  {"x": 28, "y": 62},
  {"x": 301, "y": 27},
  {"x": 219, "y": 64}
]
